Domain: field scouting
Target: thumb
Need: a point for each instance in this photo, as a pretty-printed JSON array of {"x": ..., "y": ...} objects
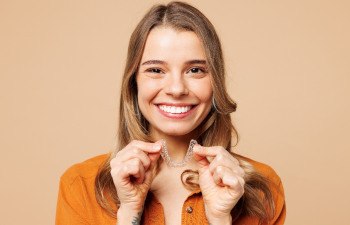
[
  {"x": 200, "y": 159},
  {"x": 154, "y": 156}
]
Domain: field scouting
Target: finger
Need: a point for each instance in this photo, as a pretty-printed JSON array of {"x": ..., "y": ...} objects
[
  {"x": 217, "y": 178},
  {"x": 219, "y": 160},
  {"x": 137, "y": 154},
  {"x": 114, "y": 163},
  {"x": 150, "y": 173},
  {"x": 121, "y": 174},
  {"x": 239, "y": 171},
  {"x": 135, "y": 169},
  {"x": 229, "y": 178},
  {"x": 154, "y": 157},
  {"x": 234, "y": 181},
  {"x": 235, "y": 161},
  {"x": 146, "y": 146},
  {"x": 212, "y": 152},
  {"x": 205, "y": 151},
  {"x": 219, "y": 173},
  {"x": 141, "y": 174},
  {"x": 201, "y": 160},
  {"x": 137, "y": 148}
]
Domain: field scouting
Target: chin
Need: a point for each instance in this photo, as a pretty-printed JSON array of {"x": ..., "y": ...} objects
[{"x": 175, "y": 131}]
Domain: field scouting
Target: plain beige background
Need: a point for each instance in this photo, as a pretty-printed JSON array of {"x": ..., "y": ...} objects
[{"x": 288, "y": 66}]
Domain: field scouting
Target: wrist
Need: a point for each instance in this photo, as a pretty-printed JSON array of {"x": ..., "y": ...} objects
[
  {"x": 128, "y": 216},
  {"x": 218, "y": 218},
  {"x": 220, "y": 221}
]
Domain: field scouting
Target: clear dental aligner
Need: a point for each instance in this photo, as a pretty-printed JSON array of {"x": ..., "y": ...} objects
[{"x": 165, "y": 154}]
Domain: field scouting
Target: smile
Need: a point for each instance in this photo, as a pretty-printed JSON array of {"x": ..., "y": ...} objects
[{"x": 175, "y": 109}]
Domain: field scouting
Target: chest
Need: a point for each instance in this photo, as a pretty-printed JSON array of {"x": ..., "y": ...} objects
[
  {"x": 172, "y": 195},
  {"x": 173, "y": 211}
]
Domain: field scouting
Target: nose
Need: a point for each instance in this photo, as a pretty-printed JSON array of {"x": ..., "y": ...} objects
[{"x": 176, "y": 86}]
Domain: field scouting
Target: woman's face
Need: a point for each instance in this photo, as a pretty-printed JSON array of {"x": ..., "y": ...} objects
[{"x": 173, "y": 81}]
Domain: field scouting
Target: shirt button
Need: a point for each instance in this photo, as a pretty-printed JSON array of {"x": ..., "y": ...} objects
[{"x": 189, "y": 209}]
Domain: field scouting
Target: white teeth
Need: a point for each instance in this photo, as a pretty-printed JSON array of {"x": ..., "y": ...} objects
[{"x": 175, "y": 110}]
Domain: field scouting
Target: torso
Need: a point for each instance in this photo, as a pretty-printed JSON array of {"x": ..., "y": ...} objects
[{"x": 171, "y": 193}]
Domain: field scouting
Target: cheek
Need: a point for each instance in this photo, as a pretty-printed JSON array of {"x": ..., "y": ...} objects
[
  {"x": 203, "y": 90},
  {"x": 147, "y": 90}
]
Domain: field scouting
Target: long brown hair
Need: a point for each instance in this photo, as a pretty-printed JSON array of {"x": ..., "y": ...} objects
[{"x": 216, "y": 129}]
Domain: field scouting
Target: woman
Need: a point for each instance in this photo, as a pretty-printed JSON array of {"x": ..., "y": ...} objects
[{"x": 174, "y": 163}]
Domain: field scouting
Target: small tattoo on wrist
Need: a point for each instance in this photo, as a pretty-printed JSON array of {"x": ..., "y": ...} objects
[{"x": 137, "y": 219}]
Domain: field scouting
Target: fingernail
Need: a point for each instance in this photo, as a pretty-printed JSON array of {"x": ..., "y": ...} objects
[
  {"x": 197, "y": 148},
  {"x": 156, "y": 147}
]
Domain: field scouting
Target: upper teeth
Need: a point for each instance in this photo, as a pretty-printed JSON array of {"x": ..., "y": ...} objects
[{"x": 173, "y": 109}]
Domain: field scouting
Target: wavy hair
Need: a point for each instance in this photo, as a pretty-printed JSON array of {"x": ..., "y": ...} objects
[{"x": 215, "y": 130}]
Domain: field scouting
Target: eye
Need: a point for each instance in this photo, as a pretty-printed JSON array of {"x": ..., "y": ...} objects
[
  {"x": 154, "y": 70},
  {"x": 197, "y": 71}
]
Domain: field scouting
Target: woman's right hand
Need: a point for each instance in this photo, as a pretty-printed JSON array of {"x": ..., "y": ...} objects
[{"x": 131, "y": 170}]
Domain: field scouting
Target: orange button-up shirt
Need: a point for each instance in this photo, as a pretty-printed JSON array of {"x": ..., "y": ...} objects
[{"x": 77, "y": 204}]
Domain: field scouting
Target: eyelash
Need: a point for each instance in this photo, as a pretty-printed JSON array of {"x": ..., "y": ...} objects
[
  {"x": 152, "y": 70},
  {"x": 201, "y": 70}
]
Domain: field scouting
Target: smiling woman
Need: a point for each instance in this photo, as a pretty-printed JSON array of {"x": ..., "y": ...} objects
[
  {"x": 173, "y": 82},
  {"x": 174, "y": 105}
]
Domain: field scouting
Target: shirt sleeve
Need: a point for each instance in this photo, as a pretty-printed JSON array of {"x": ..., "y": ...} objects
[{"x": 70, "y": 204}]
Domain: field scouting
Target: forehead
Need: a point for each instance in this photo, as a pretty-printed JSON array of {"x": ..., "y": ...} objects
[{"x": 165, "y": 43}]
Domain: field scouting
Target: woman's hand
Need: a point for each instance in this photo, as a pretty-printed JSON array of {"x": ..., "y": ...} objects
[
  {"x": 131, "y": 170},
  {"x": 221, "y": 182}
]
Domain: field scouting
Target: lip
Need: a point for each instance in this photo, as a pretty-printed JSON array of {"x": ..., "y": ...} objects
[
  {"x": 175, "y": 104},
  {"x": 176, "y": 115}
]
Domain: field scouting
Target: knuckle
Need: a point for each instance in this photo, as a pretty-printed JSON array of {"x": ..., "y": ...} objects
[
  {"x": 137, "y": 162},
  {"x": 211, "y": 167},
  {"x": 235, "y": 171},
  {"x": 136, "y": 151},
  {"x": 114, "y": 172},
  {"x": 219, "y": 169},
  {"x": 135, "y": 143},
  {"x": 242, "y": 172},
  {"x": 242, "y": 181},
  {"x": 125, "y": 168},
  {"x": 119, "y": 152},
  {"x": 219, "y": 157},
  {"x": 147, "y": 162},
  {"x": 221, "y": 149},
  {"x": 234, "y": 161},
  {"x": 114, "y": 163}
]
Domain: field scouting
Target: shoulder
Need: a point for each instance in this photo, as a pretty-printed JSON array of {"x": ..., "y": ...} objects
[
  {"x": 275, "y": 186},
  {"x": 85, "y": 170},
  {"x": 76, "y": 202},
  {"x": 263, "y": 169}
]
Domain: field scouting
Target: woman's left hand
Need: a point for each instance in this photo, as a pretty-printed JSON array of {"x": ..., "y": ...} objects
[{"x": 221, "y": 182}]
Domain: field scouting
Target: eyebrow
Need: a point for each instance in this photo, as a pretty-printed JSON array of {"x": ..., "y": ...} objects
[{"x": 190, "y": 62}]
